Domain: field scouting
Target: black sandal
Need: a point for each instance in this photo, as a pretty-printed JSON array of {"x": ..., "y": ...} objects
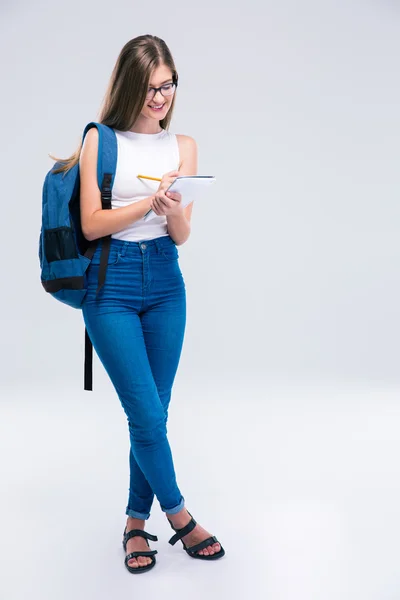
[
  {"x": 146, "y": 536},
  {"x": 192, "y": 550}
]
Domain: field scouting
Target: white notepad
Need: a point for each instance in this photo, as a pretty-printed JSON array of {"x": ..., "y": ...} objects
[{"x": 191, "y": 187}]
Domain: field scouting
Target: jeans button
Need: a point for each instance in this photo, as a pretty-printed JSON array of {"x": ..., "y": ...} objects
[{"x": 143, "y": 246}]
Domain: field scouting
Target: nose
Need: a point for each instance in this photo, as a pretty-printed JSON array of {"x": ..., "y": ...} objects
[{"x": 159, "y": 96}]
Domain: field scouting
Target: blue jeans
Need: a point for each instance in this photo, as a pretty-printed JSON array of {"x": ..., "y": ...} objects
[{"x": 136, "y": 325}]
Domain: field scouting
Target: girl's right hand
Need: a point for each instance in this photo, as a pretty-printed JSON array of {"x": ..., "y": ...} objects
[{"x": 166, "y": 180}]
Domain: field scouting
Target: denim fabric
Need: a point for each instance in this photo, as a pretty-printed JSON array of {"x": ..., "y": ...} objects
[{"x": 137, "y": 325}]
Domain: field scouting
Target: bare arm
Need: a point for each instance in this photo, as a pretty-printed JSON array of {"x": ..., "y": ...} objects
[
  {"x": 97, "y": 222},
  {"x": 179, "y": 226}
]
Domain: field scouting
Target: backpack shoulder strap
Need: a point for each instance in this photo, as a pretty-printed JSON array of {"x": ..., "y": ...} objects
[
  {"x": 106, "y": 168},
  {"x": 107, "y": 154}
]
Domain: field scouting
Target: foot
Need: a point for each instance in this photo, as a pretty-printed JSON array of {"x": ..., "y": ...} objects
[
  {"x": 136, "y": 544},
  {"x": 197, "y": 535}
]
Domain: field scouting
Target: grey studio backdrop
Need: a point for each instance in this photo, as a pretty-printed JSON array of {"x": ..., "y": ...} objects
[
  {"x": 291, "y": 267},
  {"x": 292, "y": 282}
]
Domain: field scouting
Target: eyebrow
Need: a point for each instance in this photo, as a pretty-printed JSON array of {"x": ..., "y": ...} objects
[{"x": 170, "y": 79}]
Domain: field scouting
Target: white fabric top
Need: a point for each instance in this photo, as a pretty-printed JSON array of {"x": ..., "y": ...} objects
[{"x": 152, "y": 154}]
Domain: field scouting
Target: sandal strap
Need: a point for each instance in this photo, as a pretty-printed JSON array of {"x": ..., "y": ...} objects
[
  {"x": 208, "y": 542},
  {"x": 141, "y": 533},
  {"x": 183, "y": 531},
  {"x": 142, "y": 553}
]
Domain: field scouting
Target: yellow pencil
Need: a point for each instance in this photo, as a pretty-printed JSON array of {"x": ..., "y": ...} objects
[{"x": 147, "y": 177}]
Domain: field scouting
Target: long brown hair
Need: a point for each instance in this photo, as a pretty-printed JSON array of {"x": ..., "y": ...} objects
[{"x": 127, "y": 88}]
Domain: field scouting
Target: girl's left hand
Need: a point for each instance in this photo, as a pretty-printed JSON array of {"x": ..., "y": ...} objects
[{"x": 167, "y": 204}]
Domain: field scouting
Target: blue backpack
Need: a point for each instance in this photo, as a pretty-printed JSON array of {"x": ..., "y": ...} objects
[{"x": 64, "y": 252}]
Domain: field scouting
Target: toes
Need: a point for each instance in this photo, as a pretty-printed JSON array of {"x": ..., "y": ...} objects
[
  {"x": 205, "y": 551},
  {"x": 133, "y": 562},
  {"x": 210, "y": 549},
  {"x": 216, "y": 547},
  {"x": 140, "y": 561}
]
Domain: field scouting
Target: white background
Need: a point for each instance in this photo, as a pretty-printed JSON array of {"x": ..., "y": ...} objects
[{"x": 285, "y": 415}]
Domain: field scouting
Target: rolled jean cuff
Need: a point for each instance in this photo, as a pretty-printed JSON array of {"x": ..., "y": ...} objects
[
  {"x": 137, "y": 515},
  {"x": 176, "y": 508}
]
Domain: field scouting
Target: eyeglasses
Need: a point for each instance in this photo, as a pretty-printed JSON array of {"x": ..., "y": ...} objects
[{"x": 166, "y": 90}]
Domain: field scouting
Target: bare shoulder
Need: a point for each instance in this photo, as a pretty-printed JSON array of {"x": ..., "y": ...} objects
[
  {"x": 90, "y": 197},
  {"x": 185, "y": 139},
  {"x": 187, "y": 149},
  {"x": 89, "y": 146},
  {"x": 92, "y": 136}
]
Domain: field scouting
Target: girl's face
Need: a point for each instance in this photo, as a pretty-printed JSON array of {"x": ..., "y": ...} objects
[{"x": 161, "y": 76}]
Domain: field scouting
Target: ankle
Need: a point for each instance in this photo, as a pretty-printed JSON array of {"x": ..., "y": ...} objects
[
  {"x": 179, "y": 519},
  {"x": 133, "y": 523}
]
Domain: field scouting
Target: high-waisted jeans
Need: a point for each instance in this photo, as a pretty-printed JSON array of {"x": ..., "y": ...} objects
[{"x": 136, "y": 325}]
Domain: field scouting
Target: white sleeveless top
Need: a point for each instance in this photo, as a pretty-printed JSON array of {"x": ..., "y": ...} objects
[{"x": 152, "y": 154}]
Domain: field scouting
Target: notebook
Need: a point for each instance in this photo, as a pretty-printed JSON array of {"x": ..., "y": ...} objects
[{"x": 191, "y": 187}]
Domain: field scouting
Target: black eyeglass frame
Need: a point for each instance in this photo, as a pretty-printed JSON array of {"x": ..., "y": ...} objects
[{"x": 174, "y": 81}]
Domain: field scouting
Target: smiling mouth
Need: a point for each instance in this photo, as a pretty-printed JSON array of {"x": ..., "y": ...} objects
[{"x": 156, "y": 109}]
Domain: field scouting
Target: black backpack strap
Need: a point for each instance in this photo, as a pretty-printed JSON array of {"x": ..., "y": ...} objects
[
  {"x": 88, "y": 365},
  {"x": 91, "y": 249},
  {"x": 106, "y": 167},
  {"x": 88, "y": 383},
  {"x": 105, "y": 251}
]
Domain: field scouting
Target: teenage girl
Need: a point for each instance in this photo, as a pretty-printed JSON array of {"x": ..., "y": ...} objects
[{"x": 137, "y": 322}]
